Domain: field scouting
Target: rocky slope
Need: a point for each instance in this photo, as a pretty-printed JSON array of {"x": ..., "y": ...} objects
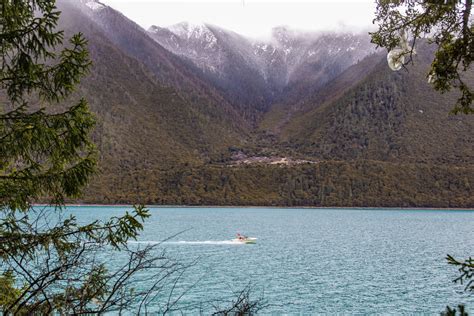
[{"x": 255, "y": 74}]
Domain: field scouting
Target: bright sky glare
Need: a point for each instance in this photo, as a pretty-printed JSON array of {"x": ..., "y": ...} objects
[{"x": 253, "y": 18}]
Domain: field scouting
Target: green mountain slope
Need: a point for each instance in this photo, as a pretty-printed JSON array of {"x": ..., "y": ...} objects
[
  {"x": 166, "y": 136},
  {"x": 167, "y": 68},
  {"x": 143, "y": 123},
  {"x": 385, "y": 115}
]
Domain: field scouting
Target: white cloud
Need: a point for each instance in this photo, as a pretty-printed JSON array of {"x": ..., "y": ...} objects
[{"x": 251, "y": 17}]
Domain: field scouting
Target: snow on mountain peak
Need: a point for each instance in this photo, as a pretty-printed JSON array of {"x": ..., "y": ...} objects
[
  {"x": 288, "y": 55},
  {"x": 196, "y": 32},
  {"x": 94, "y": 5},
  {"x": 282, "y": 33},
  {"x": 188, "y": 30}
]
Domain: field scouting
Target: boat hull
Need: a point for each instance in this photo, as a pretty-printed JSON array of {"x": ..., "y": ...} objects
[{"x": 245, "y": 241}]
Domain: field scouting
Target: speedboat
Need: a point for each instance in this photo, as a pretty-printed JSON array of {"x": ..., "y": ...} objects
[{"x": 244, "y": 239}]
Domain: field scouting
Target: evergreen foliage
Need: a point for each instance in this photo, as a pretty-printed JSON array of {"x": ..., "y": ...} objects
[
  {"x": 47, "y": 259},
  {"x": 453, "y": 312},
  {"x": 466, "y": 268},
  {"x": 448, "y": 24},
  {"x": 466, "y": 278},
  {"x": 42, "y": 152},
  {"x": 49, "y": 262}
]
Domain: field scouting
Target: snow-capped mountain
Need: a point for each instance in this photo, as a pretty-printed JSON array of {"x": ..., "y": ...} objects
[
  {"x": 307, "y": 54},
  {"x": 259, "y": 72},
  {"x": 94, "y": 5},
  {"x": 165, "y": 67},
  {"x": 167, "y": 124},
  {"x": 195, "y": 42},
  {"x": 225, "y": 58}
]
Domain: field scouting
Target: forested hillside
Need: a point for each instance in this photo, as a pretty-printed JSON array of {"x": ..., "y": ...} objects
[
  {"x": 143, "y": 122},
  {"x": 329, "y": 183},
  {"x": 353, "y": 134},
  {"x": 384, "y": 115}
]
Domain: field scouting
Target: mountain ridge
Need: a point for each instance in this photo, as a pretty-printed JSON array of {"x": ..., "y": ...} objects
[
  {"x": 259, "y": 73},
  {"x": 169, "y": 134}
]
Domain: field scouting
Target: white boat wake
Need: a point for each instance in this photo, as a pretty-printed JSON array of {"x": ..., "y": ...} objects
[
  {"x": 206, "y": 242},
  {"x": 185, "y": 242}
]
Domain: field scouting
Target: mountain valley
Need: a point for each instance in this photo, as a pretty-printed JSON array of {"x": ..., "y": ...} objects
[{"x": 199, "y": 115}]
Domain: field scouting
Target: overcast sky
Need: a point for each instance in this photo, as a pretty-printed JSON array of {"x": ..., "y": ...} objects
[{"x": 252, "y": 17}]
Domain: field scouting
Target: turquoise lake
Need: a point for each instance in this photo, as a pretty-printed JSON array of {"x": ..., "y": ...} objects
[{"x": 309, "y": 261}]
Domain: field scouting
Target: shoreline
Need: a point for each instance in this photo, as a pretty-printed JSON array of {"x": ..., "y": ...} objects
[{"x": 272, "y": 207}]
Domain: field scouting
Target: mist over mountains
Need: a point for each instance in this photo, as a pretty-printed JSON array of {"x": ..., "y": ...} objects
[
  {"x": 255, "y": 73},
  {"x": 196, "y": 114}
]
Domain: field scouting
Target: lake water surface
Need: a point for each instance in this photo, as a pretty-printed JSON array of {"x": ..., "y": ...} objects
[{"x": 348, "y": 261}]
